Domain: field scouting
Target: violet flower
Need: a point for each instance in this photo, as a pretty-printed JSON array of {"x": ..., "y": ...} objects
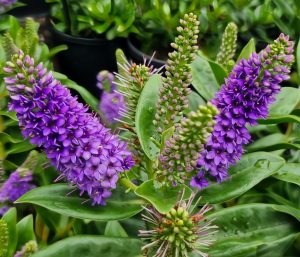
[
  {"x": 18, "y": 183},
  {"x": 112, "y": 102},
  {"x": 244, "y": 98},
  {"x": 85, "y": 152},
  {"x": 4, "y": 4}
]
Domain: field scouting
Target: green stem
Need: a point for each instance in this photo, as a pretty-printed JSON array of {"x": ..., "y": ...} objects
[
  {"x": 128, "y": 184},
  {"x": 149, "y": 167},
  {"x": 289, "y": 129}
]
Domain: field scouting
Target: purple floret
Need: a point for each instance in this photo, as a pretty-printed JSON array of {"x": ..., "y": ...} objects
[{"x": 85, "y": 152}]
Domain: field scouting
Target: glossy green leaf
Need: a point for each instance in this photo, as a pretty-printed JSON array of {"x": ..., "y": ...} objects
[
  {"x": 20, "y": 148},
  {"x": 278, "y": 247},
  {"x": 163, "y": 198},
  {"x": 85, "y": 94},
  {"x": 119, "y": 206},
  {"x": 11, "y": 219},
  {"x": 11, "y": 115},
  {"x": 25, "y": 231},
  {"x": 267, "y": 142},
  {"x": 273, "y": 142},
  {"x": 203, "y": 78},
  {"x": 218, "y": 71},
  {"x": 286, "y": 101},
  {"x": 55, "y": 50},
  {"x": 194, "y": 101},
  {"x": 290, "y": 172},
  {"x": 247, "y": 50},
  {"x": 247, "y": 229},
  {"x": 298, "y": 58},
  {"x": 93, "y": 246},
  {"x": 114, "y": 229},
  {"x": 145, "y": 112},
  {"x": 247, "y": 173},
  {"x": 4, "y": 138},
  {"x": 277, "y": 119},
  {"x": 295, "y": 212}
]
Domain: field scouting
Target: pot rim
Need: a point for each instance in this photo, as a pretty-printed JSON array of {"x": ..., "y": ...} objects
[
  {"x": 142, "y": 54},
  {"x": 77, "y": 40}
]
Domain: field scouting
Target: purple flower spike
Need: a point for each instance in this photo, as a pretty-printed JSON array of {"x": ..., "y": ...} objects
[
  {"x": 14, "y": 187},
  {"x": 85, "y": 152},
  {"x": 244, "y": 98},
  {"x": 112, "y": 102}
]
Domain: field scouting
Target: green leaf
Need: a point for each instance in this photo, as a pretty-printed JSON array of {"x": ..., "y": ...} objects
[
  {"x": 4, "y": 138},
  {"x": 203, "y": 78},
  {"x": 298, "y": 58},
  {"x": 85, "y": 94},
  {"x": 247, "y": 50},
  {"x": 276, "y": 248},
  {"x": 269, "y": 142},
  {"x": 54, "y": 197},
  {"x": 93, "y": 246},
  {"x": 247, "y": 229},
  {"x": 194, "y": 101},
  {"x": 247, "y": 173},
  {"x": 11, "y": 115},
  {"x": 145, "y": 112},
  {"x": 277, "y": 119},
  {"x": 55, "y": 50},
  {"x": 25, "y": 231},
  {"x": 11, "y": 219},
  {"x": 218, "y": 71},
  {"x": 114, "y": 229},
  {"x": 286, "y": 101},
  {"x": 290, "y": 172},
  {"x": 20, "y": 148},
  {"x": 295, "y": 212},
  {"x": 163, "y": 198}
]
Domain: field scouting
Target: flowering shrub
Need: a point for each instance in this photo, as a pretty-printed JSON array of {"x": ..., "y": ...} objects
[{"x": 198, "y": 159}]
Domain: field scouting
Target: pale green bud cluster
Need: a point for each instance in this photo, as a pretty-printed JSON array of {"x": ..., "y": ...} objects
[
  {"x": 228, "y": 45},
  {"x": 28, "y": 249},
  {"x": 173, "y": 95},
  {"x": 179, "y": 157},
  {"x": 3, "y": 238},
  {"x": 179, "y": 232}
]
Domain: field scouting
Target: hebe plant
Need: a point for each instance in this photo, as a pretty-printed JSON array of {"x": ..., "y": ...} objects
[{"x": 165, "y": 160}]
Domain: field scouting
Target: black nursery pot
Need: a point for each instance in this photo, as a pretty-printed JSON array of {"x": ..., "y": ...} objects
[
  {"x": 138, "y": 56},
  {"x": 85, "y": 57},
  {"x": 33, "y": 8}
]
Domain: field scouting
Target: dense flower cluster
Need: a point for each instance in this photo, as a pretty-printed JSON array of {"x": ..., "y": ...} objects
[
  {"x": 173, "y": 95},
  {"x": 85, "y": 152},
  {"x": 18, "y": 183},
  {"x": 181, "y": 152},
  {"x": 180, "y": 232},
  {"x": 112, "y": 102},
  {"x": 4, "y": 4},
  {"x": 244, "y": 98}
]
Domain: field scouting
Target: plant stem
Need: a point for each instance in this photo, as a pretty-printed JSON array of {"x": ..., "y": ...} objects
[
  {"x": 67, "y": 15},
  {"x": 149, "y": 167},
  {"x": 289, "y": 129},
  {"x": 128, "y": 184}
]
